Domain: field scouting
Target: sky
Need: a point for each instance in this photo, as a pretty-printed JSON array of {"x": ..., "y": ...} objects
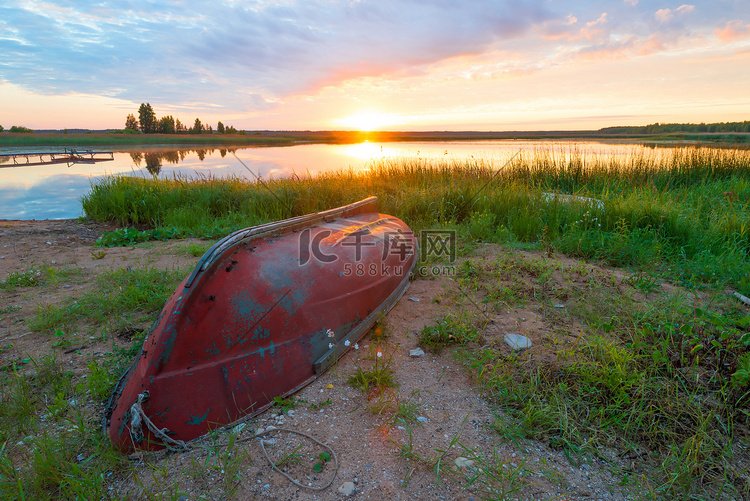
[{"x": 375, "y": 64}]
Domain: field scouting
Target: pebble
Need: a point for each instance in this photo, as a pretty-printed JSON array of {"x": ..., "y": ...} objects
[
  {"x": 517, "y": 342},
  {"x": 462, "y": 461},
  {"x": 347, "y": 488},
  {"x": 417, "y": 352},
  {"x": 422, "y": 419}
]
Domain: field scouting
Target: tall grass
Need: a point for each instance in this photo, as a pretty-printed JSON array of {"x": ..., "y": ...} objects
[{"x": 684, "y": 213}]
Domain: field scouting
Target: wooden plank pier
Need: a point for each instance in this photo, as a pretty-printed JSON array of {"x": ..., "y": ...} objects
[{"x": 47, "y": 158}]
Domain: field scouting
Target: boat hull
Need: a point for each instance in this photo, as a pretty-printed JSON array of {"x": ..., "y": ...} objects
[{"x": 264, "y": 312}]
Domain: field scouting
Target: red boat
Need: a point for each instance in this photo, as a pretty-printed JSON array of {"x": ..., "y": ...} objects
[{"x": 264, "y": 312}]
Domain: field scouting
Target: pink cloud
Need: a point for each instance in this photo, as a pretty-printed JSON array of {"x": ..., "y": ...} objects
[
  {"x": 665, "y": 15},
  {"x": 734, "y": 30}
]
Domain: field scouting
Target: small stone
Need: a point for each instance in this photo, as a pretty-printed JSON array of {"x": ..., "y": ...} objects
[
  {"x": 270, "y": 428},
  {"x": 517, "y": 342},
  {"x": 422, "y": 419},
  {"x": 415, "y": 299},
  {"x": 559, "y": 306},
  {"x": 417, "y": 352},
  {"x": 259, "y": 431},
  {"x": 270, "y": 441},
  {"x": 463, "y": 462},
  {"x": 239, "y": 428},
  {"x": 347, "y": 488}
]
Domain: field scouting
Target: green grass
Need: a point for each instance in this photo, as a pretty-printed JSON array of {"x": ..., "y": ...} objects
[
  {"x": 682, "y": 215},
  {"x": 39, "y": 276},
  {"x": 122, "y": 298},
  {"x": 664, "y": 377}
]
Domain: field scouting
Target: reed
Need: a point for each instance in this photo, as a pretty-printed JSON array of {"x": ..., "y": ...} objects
[{"x": 685, "y": 213}]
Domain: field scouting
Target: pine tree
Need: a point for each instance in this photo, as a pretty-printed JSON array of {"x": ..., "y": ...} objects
[
  {"x": 147, "y": 118},
  {"x": 131, "y": 122}
]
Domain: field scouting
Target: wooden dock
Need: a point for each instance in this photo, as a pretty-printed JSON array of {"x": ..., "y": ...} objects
[{"x": 47, "y": 158}]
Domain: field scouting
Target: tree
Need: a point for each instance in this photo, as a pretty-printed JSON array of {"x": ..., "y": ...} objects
[
  {"x": 20, "y": 129},
  {"x": 167, "y": 125},
  {"x": 131, "y": 122},
  {"x": 147, "y": 118},
  {"x": 220, "y": 128},
  {"x": 178, "y": 127},
  {"x": 1, "y": 128},
  {"x": 197, "y": 127}
]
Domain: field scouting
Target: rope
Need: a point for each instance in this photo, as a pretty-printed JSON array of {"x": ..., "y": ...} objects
[
  {"x": 274, "y": 467},
  {"x": 138, "y": 417}
]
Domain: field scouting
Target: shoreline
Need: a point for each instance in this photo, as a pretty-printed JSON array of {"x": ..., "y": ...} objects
[{"x": 290, "y": 138}]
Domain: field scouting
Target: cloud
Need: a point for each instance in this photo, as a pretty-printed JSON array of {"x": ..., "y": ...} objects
[
  {"x": 175, "y": 51},
  {"x": 733, "y": 30},
  {"x": 666, "y": 15},
  {"x": 251, "y": 55}
]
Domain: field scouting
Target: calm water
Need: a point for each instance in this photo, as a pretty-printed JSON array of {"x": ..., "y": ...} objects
[{"x": 54, "y": 191}]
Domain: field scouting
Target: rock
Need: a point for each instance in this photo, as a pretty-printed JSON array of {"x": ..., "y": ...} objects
[
  {"x": 415, "y": 299},
  {"x": 417, "y": 352},
  {"x": 239, "y": 428},
  {"x": 517, "y": 342},
  {"x": 347, "y": 488},
  {"x": 422, "y": 419},
  {"x": 463, "y": 462}
]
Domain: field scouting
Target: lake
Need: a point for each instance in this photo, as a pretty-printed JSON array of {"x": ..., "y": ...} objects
[{"x": 54, "y": 191}]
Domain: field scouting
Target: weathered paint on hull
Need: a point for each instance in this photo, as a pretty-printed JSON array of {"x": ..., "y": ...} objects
[{"x": 251, "y": 322}]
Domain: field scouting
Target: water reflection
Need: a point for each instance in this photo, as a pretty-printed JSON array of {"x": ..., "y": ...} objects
[{"x": 54, "y": 191}]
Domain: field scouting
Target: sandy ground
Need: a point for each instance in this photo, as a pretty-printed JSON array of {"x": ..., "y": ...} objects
[{"x": 454, "y": 419}]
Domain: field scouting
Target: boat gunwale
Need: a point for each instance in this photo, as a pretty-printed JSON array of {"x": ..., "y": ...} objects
[{"x": 277, "y": 227}]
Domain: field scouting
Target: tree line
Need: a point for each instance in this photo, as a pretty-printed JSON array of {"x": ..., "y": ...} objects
[
  {"x": 147, "y": 123},
  {"x": 17, "y": 129},
  {"x": 657, "y": 128}
]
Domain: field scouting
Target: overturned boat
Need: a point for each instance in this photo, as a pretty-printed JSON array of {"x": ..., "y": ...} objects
[{"x": 264, "y": 312}]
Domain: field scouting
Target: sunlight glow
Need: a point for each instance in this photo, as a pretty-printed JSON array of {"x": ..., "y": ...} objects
[{"x": 362, "y": 151}]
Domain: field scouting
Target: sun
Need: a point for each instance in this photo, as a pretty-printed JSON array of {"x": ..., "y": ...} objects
[{"x": 367, "y": 121}]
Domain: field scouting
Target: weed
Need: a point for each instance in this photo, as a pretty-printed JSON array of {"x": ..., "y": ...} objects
[
  {"x": 285, "y": 404},
  {"x": 131, "y": 236},
  {"x": 321, "y": 404},
  {"x": 98, "y": 255},
  {"x": 10, "y": 309},
  {"x": 407, "y": 410},
  {"x": 29, "y": 278},
  {"x": 291, "y": 457},
  {"x": 448, "y": 331},
  {"x": 378, "y": 377}
]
